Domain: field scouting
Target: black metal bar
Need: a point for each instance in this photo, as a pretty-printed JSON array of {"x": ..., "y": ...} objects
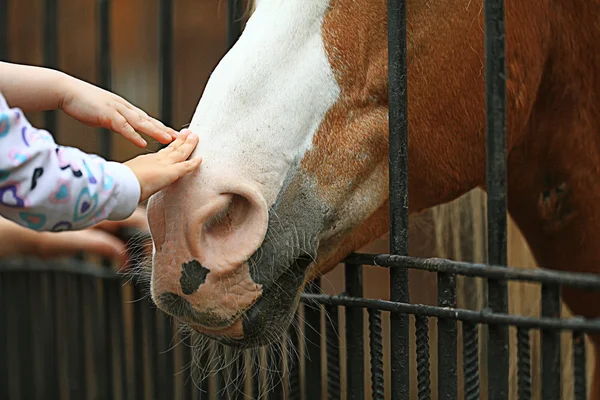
[
  {"x": 333, "y": 352},
  {"x": 422, "y": 335},
  {"x": 76, "y": 355},
  {"x": 579, "y": 369},
  {"x": 165, "y": 377},
  {"x": 104, "y": 67},
  {"x": 293, "y": 359},
  {"x": 550, "y": 344},
  {"x": 312, "y": 336},
  {"x": 471, "y": 360},
  {"x": 275, "y": 370},
  {"x": 583, "y": 281},
  {"x": 13, "y": 347},
  {"x": 187, "y": 366},
  {"x": 4, "y": 326},
  {"x": 255, "y": 378},
  {"x": 115, "y": 338},
  {"x": 398, "y": 188},
  {"x": 24, "y": 323},
  {"x": 4, "y": 29},
  {"x": 538, "y": 275},
  {"x": 447, "y": 339},
  {"x": 50, "y": 54},
  {"x": 220, "y": 387},
  {"x": 38, "y": 332},
  {"x": 480, "y": 317},
  {"x": 523, "y": 364},
  {"x": 61, "y": 316},
  {"x": 355, "y": 353},
  {"x": 376, "y": 344},
  {"x": 61, "y": 268},
  {"x": 97, "y": 320},
  {"x": 495, "y": 94},
  {"x": 235, "y": 13},
  {"x": 166, "y": 61},
  {"x": 139, "y": 333}
]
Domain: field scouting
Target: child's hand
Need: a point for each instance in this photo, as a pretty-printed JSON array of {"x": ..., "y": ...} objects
[
  {"x": 158, "y": 170},
  {"x": 97, "y": 107}
]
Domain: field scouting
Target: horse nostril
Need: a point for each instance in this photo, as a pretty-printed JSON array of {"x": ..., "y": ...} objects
[
  {"x": 193, "y": 275},
  {"x": 226, "y": 231}
]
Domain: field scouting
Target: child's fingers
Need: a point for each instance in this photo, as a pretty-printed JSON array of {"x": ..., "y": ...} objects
[
  {"x": 183, "y": 168},
  {"x": 124, "y": 128},
  {"x": 154, "y": 121},
  {"x": 175, "y": 144},
  {"x": 183, "y": 151},
  {"x": 143, "y": 123}
]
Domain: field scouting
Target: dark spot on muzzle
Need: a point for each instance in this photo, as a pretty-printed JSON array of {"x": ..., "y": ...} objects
[{"x": 193, "y": 274}]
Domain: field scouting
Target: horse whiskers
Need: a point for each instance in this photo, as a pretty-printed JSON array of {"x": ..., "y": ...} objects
[{"x": 211, "y": 358}]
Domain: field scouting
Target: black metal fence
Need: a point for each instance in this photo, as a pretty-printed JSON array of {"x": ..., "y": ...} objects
[{"x": 74, "y": 330}]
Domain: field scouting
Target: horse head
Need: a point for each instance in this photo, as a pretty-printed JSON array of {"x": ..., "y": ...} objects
[{"x": 294, "y": 148}]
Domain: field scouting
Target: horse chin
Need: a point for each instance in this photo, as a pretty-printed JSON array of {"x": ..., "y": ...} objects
[{"x": 268, "y": 319}]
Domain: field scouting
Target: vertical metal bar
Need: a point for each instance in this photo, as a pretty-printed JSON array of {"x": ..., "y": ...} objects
[
  {"x": 312, "y": 335},
  {"x": 4, "y": 29},
  {"x": 275, "y": 369},
  {"x": 166, "y": 61},
  {"x": 294, "y": 360},
  {"x": 471, "y": 360},
  {"x": 96, "y": 318},
  {"x": 376, "y": 344},
  {"x": 61, "y": 316},
  {"x": 115, "y": 340},
  {"x": 579, "y": 370},
  {"x": 235, "y": 12},
  {"x": 11, "y": 293},
  {"x": 187, "y": 364},
  {"x": 139, "y": 333},
  {"x": 495, "y": 94},
  {"x": 50, "y": 326},
  {"x": 36, "y": 307},
  {"x": 550, "y": 344},
  {"x": 50, "y": 53},
  {"x": 355, "y": 352},
  {"x": 523, "y": 364},
  {"x": 76, "y": 354},
  {"x": 165, "y": 370},
  {"x": 398, "y": 187},
  {"x": 447, "y": 339},
  {"x": 24, "y": 332},
  {"x": 104, "y": 66},
  {"x": 4, "y": 326},
  {"x": 333, "y": 352},
  {"x": 255, "y": 370},
  {"x": 423, "y": 381}
]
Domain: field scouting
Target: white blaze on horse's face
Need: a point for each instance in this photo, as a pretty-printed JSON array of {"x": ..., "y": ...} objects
[{"x": 256, "y": 120}]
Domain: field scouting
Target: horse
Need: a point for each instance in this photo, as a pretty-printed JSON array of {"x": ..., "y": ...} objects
[{"x": 294, "y": 128}]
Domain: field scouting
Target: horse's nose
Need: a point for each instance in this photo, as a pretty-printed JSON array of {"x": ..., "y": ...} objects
[
  {"x": 227, "y": 229},
  {"x": 203, "y": 233}
]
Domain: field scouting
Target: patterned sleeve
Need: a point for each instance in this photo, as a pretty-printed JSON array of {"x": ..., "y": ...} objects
[{"x": 47, "y": 187}]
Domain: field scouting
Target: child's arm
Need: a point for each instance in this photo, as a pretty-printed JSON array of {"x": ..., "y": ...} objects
[
  {"x": 47, "y": 187},
  {"x": 39, "y": 89},
  {"x": 32, "y": 88}
]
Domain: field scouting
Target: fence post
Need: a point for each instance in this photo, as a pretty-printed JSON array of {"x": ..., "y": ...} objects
[
  {"x": 398, "y": 192},
  {"x": 495, "y": 96}
]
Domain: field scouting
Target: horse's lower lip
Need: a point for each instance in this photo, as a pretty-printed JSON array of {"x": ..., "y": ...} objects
[{"x": 233, "y": 331}]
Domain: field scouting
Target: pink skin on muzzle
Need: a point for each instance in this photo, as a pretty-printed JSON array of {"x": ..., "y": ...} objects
[{"x": 219, "y": 226}]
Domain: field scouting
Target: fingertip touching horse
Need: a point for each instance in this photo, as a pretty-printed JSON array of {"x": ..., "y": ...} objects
[{"x": 294, "y": 127}]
